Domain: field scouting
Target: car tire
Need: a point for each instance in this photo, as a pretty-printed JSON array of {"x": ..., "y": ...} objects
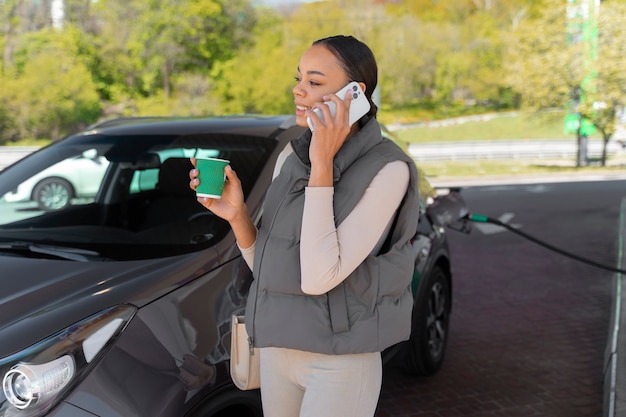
[
  {"x": 429, "y": 328},
  {"x": 53, "y": 194},
  {"x": 232, "y": 403}
]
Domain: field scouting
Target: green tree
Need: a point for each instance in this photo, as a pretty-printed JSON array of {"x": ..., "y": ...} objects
[
  {"x": 606, "y": 94},
  {"x": 259, "y": 78},
  {"x": 407, "y": 52},
  {"x": 139, "y": 51},
  {"x": 448, "y": 53},
  {"x": 50, "y": 103},
  {"x": 6, "y": 121},
  {"x": 550, "y": 71}
]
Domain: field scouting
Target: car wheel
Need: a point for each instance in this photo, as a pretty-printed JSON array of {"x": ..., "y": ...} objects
[
  {"x": 232, "y": 403},
  {"x": 429, "y": 329},
  {"x": 53, "y": 194}
]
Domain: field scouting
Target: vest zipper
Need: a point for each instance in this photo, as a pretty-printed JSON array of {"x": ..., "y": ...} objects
[
  {"x": 282, "y": 200},
  {"x": 251, "y": 343}
]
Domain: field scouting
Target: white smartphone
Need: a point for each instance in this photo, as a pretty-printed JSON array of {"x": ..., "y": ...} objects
[{"x": 359, "y": 106}]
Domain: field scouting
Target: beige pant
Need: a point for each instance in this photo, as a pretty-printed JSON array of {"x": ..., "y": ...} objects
[{"x": 304, "y": 384}]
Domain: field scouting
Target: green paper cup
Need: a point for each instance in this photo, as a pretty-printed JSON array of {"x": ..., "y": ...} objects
[{"x": 211, "y": 176}]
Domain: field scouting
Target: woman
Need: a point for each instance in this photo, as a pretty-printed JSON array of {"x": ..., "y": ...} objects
[{"x": 332, "y": 260}]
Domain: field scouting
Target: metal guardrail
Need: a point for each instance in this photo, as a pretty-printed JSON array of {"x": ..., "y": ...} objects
[{"x": 509, "y": 149}]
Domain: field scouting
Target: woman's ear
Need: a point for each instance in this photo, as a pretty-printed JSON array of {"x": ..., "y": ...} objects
[{"x": 362, "y": 85}]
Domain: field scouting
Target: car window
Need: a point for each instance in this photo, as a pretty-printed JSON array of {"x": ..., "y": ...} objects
[
  {"x": 126, "y": 197},
  {"x": 147, "y": 179},
  {"x": 75, "y": 179},
  {"x": 144, "y": 180}
]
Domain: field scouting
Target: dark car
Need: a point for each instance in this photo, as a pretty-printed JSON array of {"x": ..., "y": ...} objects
[{"x": 119, "y": 303}]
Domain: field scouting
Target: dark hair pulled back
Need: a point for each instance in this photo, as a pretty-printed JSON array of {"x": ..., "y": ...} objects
[{"x": 358, "y": 60}]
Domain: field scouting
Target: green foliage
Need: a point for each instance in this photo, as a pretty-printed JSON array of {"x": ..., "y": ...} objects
[
  {"x": 503, "y": 126},
  {"x": 49, "y": 91},
  {"x": 6, "y": 120},
  {"x": 164, "y": 39},
  {"x": 113, "y": 57},
  {"x": 420, "y": 60},
  {"x": 259, "y": 78},
  {"x": 425, "y": 57},
  {"x": 607, "y": 93},
  {"x": 407, "y": 57},
  {"x": 191, "y": 98},
  {"x": 573, "y": 68},
  {"x": 540, "y": 63},
  {"x": 436, "y": 59}
]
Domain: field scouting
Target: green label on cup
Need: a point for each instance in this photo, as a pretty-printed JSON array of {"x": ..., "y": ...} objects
[{"x": 211, "y": 176}]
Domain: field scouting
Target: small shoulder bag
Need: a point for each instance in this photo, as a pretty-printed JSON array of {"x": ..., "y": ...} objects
[{"x": 244, "y": 357}]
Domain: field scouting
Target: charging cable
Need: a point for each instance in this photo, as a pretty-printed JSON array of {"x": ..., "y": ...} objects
[{"x": 479, "y": 218}]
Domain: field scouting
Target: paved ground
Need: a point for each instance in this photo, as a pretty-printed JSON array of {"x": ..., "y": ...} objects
[
  {"x": 510, "y": 354},
  {"x": 520, "y": 345}
]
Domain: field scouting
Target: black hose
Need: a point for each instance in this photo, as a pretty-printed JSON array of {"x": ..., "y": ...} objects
[{"x": 478, "y": 218}]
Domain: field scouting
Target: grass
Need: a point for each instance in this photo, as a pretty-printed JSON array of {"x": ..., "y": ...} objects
[
  {"x": 29, "y": 142},
  {"x": 512, "y": 125},
  {"x": 505, "y": 167},
  {"x": 506, "y": 126}
]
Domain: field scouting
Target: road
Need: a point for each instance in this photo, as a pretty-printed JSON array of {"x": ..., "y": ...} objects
[
  {"x": 529, "y": 326},
  {"x": 10, "y": 154}
]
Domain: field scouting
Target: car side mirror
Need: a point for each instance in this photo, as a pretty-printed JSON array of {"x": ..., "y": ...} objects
[{"x": 90, "y": 154}]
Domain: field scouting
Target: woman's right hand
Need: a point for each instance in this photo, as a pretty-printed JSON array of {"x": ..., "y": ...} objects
[{"x": 231, "y": 205}]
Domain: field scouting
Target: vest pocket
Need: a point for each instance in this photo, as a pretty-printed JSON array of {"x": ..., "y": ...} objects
[{"x": 280, "y": 270}]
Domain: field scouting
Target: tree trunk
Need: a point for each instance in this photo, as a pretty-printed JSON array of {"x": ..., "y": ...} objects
[
  {"x": 581, "y": 154},
  {"x": 165, "y": 72},
  {"x": 605, "y": 142},
  {"x": 8, "y": 31}
]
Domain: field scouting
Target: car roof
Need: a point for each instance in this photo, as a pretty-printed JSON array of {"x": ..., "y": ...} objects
[{"x": 236, "y": 124}]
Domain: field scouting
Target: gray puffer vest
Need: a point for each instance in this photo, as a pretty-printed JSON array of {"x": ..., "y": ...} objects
[{"x": 371, "y": 309}]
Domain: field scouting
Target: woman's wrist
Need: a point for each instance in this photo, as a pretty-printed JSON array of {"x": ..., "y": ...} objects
[
  {"x": 321, "y": 174},
  {"x": 243, "y": 227}
]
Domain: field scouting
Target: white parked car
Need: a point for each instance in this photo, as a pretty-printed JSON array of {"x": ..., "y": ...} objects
[{"x": 55, "y": 187}]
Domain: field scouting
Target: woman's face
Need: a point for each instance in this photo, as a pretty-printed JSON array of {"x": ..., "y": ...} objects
[{"x": 319, "y": 74}]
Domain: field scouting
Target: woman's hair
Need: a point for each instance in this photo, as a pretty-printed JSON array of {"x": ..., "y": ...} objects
[{"x": 358, "y": 60}]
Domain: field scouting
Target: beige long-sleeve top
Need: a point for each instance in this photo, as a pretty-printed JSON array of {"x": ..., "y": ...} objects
[{"x": 328, "y": 254}]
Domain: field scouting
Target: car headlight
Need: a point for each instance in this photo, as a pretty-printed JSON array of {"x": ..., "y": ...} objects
[
  {"x": 26, "y": 384},
  {"x": 37, "y": 378}
]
